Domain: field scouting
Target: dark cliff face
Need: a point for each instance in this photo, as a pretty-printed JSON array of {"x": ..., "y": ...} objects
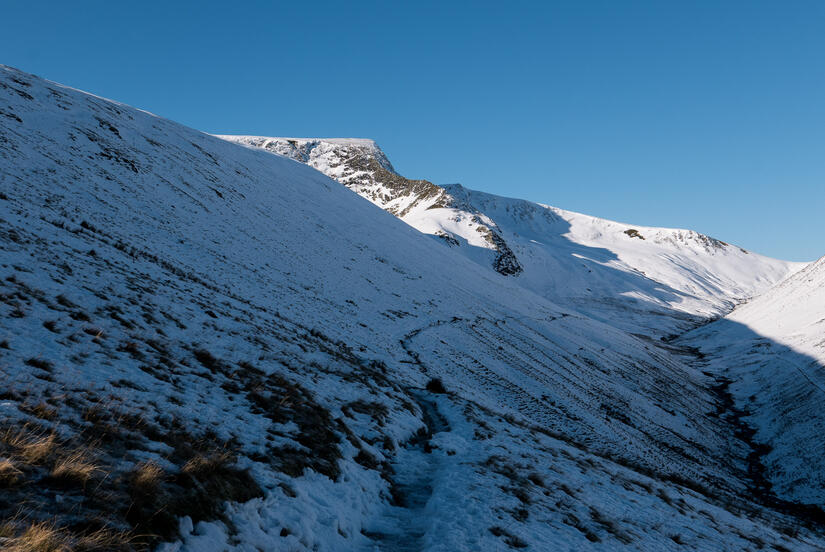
[
  {"x": 506, "y": 262},
  {"x": 372, "y": 180},
  {"x": 395, "y": 185}
]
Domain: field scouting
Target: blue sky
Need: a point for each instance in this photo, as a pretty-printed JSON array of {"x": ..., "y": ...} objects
[{"x": 704, "y": 115}]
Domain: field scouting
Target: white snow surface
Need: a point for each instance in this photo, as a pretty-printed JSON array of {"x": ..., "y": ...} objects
[
  {"x": 773, "y": 350},
  {"x": 594, "y": 265},
  {"x": 324, "y": 154},
  {"x": 619, "y": 273},
  {"x": 143, "y": 243}
]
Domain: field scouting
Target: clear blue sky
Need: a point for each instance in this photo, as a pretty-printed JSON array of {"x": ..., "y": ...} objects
[{"x": 705, "y": 115}]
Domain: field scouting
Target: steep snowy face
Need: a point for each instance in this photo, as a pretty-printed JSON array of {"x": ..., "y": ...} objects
[
  {"x": 791, "y": 313},
  {"x": 357, "y": 163},
  {"x": 195, "y": 323},
  {"x": 772, "y": 351},
  {"x": 361, "y": 166},
  {"x": 653, "y": 281},
  {"x": 331, "y": 156}
]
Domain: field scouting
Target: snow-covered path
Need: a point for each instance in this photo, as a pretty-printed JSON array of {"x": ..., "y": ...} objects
[
  {"x": 261, "y": 335},
  {"x": 404, "y": 524}
]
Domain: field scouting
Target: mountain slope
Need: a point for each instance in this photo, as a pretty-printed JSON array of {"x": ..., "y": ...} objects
[
  {"x": 361, "y": 166},
  {"x": 199, "y": 343},
  {"x": 653, "y": 281},
  {"x": 772, "y": 351}
]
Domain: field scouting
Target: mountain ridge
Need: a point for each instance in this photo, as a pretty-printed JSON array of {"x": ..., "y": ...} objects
[
  {"x": 303, "y": 371},
  {"x": 666, "y": 269}
]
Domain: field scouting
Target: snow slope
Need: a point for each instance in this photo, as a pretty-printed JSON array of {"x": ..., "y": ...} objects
[
  {"x": 263, "y": 337},
  {"x": 653, "y": 281},
  {"x": 772, "y": 350},
  {"x": 362, "y": 167}
]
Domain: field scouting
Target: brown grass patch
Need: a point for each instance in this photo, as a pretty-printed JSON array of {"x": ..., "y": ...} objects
[
  {"x": 41, "y": 410},
  {"x": 39, "y": 449},
  {"x": 6, "y": 530},
  {"x": 205, "y": 465},
  {"x": 105, "y": 540},
  {"x": 46, "y": 537},
  {"x": 146, "y": 478},
  {"x": 74, "y": 469},
  {"x": 39, "y": 537},
  {"x": 32, "y": 447},
  {"x": 9, "y": 474}
]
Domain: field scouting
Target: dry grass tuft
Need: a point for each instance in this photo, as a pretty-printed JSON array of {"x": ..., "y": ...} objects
[
  {"x": 38, "y": 449},
  {"x": 146, "y": 478},
  {"x": 104, "y": 540},
  {"x": 40, "y": 537},
  {"x": 33, "y": 448},
  {"x": 208, "y": 464},
  {"x": 9, "y": 474},
  {"x": 6, "y": 530},
  {"x": 76, "y": 468},
  {"x": 142, "y": 498},
  {"x": 46, "y": 537},
  {"x": 41, "y": 410},
  {"x": 13, "y": 437}
]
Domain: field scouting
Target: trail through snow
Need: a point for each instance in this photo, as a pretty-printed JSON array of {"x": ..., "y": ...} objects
[
  {"x": 166, "y": 297},
  {"x": 405, "y": 523}
]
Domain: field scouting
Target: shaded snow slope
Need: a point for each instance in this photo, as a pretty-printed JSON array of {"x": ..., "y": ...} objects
[
  {"x": 362, "y": 167},
  {"x": 652, "y": 281},
  {"x": 646, "y": 280},
  {"x": 773, "y": 351},
  {"x": 261, "y": 336}
]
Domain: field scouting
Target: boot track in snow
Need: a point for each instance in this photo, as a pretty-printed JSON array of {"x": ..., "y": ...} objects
[{"x": 404, "y": 524}]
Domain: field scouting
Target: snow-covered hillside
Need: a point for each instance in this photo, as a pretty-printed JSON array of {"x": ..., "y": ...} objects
[
  {"x": 652, "y": 281},
  {"x": 361, "y": 166},
  {"x": 208, "y": 347},
  {"x": 772, "y": 350}
]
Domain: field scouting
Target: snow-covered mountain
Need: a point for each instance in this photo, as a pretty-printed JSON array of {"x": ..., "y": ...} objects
[
  {"x": 224, "y": 349},
  {"x": 652, "y": 281},
  {"x": 361, "y": 166},
  {"x": 772, "y": 352}
]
